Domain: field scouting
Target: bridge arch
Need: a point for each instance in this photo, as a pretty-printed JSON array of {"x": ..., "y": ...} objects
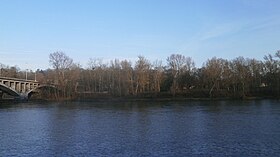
[
  {"x": 9, "y": 90},
  {"x": 29, "y": 93}
]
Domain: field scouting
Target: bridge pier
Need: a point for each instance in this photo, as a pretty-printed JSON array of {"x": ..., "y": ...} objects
[
  {"x": 1, "y": 94},
  {"x": 23, "y": 96}
]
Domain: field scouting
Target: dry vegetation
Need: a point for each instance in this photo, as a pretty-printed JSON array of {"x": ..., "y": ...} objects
[{"x": 237, "y": 78}]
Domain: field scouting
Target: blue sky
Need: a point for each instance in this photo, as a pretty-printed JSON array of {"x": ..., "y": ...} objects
[{"x": 30, "y": 30}]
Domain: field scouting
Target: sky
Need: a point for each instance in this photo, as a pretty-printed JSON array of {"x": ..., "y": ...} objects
[{"x": 108, "y": 29}]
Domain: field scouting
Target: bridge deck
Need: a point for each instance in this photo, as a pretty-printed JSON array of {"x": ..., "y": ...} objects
[{"x": 17, "y": 79}]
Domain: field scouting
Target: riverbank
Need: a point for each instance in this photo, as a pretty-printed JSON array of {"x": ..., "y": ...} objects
[
  {"x": 149, "y": 99},
  {"x": 168, "y": 99}
]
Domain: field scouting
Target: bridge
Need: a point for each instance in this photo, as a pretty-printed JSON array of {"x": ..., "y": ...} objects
[{"x": 18, "y": 88}]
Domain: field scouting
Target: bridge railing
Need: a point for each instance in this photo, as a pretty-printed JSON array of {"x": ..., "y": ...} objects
[{"x": 17, "y": 79}]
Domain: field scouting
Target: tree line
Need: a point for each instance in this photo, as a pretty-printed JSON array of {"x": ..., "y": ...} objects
[{"x": 177, "y": 77}]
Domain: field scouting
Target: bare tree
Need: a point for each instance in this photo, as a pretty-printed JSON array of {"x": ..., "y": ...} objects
[
  {"x": 241, "y": 72},
  {"x": 179, "y": 64},
  {"x": 115, "y": 79},
  {"x": 157, "y": 75},
  {"x": 214, "y": 69},
  {"x": 127, "y": 77},
  {"x": 142, "y": 68},
  {"x": 272, "y": 72},
  {"x": 59, "y": 60},
  {"x": 61, "y": 63}
]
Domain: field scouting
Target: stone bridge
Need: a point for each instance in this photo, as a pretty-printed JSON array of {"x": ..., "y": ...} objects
[{"x": 18, "y": 88}]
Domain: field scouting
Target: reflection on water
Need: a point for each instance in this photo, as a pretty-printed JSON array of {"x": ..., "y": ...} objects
[{"x": 195, "y": 128}]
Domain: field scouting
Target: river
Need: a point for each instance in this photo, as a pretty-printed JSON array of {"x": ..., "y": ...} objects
[{"x": 190, "y": 128}]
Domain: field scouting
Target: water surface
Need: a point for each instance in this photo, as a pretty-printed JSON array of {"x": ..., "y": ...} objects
[{"x": 191, "y": 128}]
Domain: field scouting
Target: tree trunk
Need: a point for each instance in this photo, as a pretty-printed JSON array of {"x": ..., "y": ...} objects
[
  {"x": 210, "y": 92},
  {"x": 243, "y": 90}
]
